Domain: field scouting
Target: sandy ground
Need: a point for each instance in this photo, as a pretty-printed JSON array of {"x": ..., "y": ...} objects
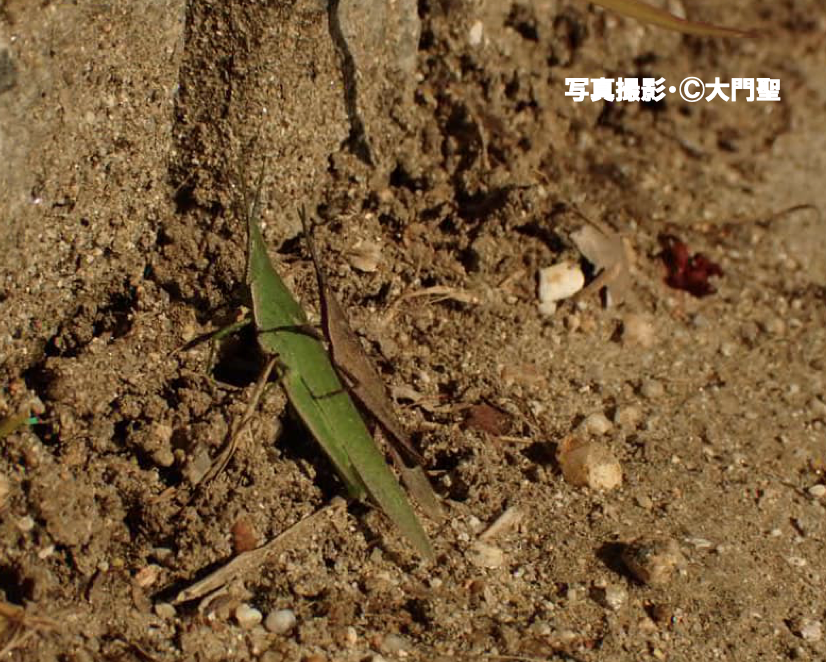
[{"x": 437, "y": 149}]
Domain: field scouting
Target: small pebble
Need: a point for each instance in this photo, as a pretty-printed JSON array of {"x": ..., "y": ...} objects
[
  {"x": 638, "y": 330},
  {"x": 699, "y": 543},
  {"x": 5, "y": 488},
  {"x": 700, "y": 321},
  {"x": 558, "y": 282},
  {"x": 280, "y": 621},
  {"x": 475, "y": 33},
  {"x": 797, "y": 561},
  {"x": 628, "y": 417},
  {"x": 162, "y": 433},
  {"x": 351, "y": 637},
  {"x": 653, "y": 560},
  {"x": 365, "y": 256},
  {"x": 597, "y": 423},
  {"x": 247, "y": 617},
  {"x": 613, "y": 597},
  {"x": 652, "y": 389},
  {"x": 197, "y": 466},
  {"x": 817, "y": 407},
  {"x": 25, "y": 524},
  {"x": 590, "y": 464},
  {"x": 807, "y": 629},
  {"x": 393, "y": 644},
  {"x": 817, "y": 491},
  {"x": 749, "y": 332},
  {"x": 485, "y": 555},
  {"x": 147, "y": 575},
  {"x": 475, "y": 524},
  {"x": 775, "y": 326},
  {"x": 165, "y": 610},
  {"x": 163, "y": 457},
  {"x": 163, "y": 555}
]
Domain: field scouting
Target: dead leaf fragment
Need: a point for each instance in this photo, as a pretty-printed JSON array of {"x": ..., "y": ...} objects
[
  {"x": 612, "y": 257},
  {"x": 487, "y": 418}
]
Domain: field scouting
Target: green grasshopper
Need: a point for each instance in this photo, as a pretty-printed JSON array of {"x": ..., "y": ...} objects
[{"x": 315, "y": 390}]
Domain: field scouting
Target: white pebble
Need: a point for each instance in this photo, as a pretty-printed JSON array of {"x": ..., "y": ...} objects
[
  {"x": 46, "y": 552},
  {"x": 775, "y": 326},
  {"x": 614, "y": 597},
  {"x": 699, "y": 543},
  {"x": 365, "y": 256},
  {"x": 811, "y": 630},
  {"x": 558, "y": 282},
  {"x": 147, "y": 575},
  {"x": 351, "y": 637},
  {"x": 597, "y": 423},
  {"x": 475, "y": 33},
  {"x": 818, "y": 407},
  {"x": 247, "y": 617},
  {"x": 572, "y": 322},
  {"x": 817, "y": 491},
  {"x": 485, "y": 555},
  {"x": 807, "y": 629},
  {"x": 165, "y": 610},
  {"x": 638, "y": 330},
  {"x": 652, "y": 389},
  {"x": 589, "y": 464},
  {"x": 280, "y": 621},
  {"x": 5, "y": 488},
  {"x": 25, "y": 524}
]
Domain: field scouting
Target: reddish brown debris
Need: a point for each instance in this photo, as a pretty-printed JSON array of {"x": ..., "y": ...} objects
[
  {"x": 488, "y": 419},
  {"x": 243, "y": 536},
  {"x": 685, "y": 271}
]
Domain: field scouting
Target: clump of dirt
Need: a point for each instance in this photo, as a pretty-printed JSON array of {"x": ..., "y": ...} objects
[{"x": 439, "y": 135}]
